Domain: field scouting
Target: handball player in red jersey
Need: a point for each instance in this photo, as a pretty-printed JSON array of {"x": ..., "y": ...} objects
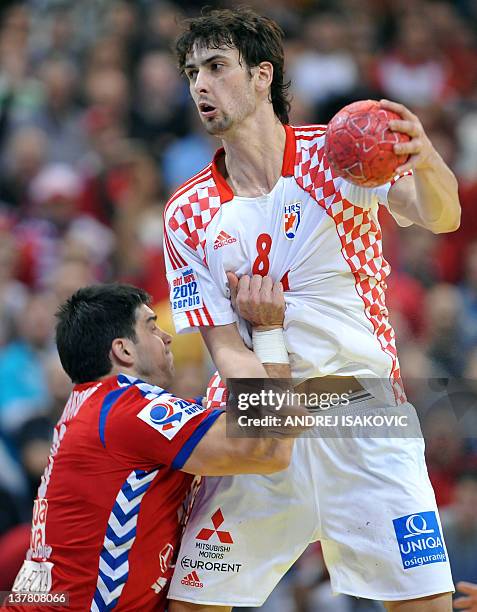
[{"x": 120, "y": 477}]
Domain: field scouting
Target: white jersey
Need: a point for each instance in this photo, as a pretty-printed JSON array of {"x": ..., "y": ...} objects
[{"x": 316, "y": 232}]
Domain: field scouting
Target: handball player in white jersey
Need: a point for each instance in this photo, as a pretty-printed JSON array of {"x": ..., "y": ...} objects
[{"x": 270, "y": 204}]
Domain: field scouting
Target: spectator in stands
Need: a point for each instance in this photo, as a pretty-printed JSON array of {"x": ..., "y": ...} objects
[
  {"x": 34, "y": 439},
  {"x": 23, "y": 391},
  {"x": 55, "y": 215},
  {"x": 160, "y": 102},
  {"x": 446, "y": 453},
  {"x": 27, "y": 154},
  {"x": 468, "y": 292},
  {"x": 13, "y": 294},
  {"x": 459, "y": 523},
  {"x": 414, "y": 72},
  {"x": 444, "y": 332},
  {"x": 60, "y": 116},
  {"x": 326, "y": 66}
]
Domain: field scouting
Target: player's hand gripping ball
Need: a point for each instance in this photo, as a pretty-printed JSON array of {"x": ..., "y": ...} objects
[{"x": 359, "y": 144}]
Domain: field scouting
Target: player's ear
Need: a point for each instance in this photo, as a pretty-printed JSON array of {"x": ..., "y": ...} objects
[
  {"x": 264, "y": 76},
  {"x": 122, "y": 351}
]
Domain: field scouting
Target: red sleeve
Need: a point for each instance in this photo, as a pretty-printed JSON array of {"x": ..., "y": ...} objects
[{"x": 159, "y": 429}]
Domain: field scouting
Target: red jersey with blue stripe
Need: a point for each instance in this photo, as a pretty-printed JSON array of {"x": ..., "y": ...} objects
[{"x": 112, "y": 500}]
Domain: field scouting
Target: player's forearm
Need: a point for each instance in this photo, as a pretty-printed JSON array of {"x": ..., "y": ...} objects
[
  {"x": 238, "y": 364},
  {"x": 267, "y": 455},
  {"x": 246, "y": 365},
  {"x": 270, "y": 348},
  {"x": 220, "y": 453},
  {"x": 229, "y": 353},
  {"x": 234, "y": 360},
  {"x": 431, "y": 199},
  {"x": 257, "y": 456},
  {"x": 437, "y": 196},
  {"x": 278, "y": 370}
]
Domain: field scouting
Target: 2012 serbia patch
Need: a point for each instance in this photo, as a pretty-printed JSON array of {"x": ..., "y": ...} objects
[{"x": 184, "y": 290}]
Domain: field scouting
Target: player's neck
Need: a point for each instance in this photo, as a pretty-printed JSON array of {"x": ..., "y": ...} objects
[
  {"x": 254, "y": 156},
  {"x": 133, "y": 373}
]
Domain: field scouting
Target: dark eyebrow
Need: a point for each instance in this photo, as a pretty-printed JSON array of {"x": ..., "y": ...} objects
[
  {"x": 151, "y": 318},
  {"x": 209, "y": 60}
]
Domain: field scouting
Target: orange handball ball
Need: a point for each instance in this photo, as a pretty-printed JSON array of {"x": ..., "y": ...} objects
[{"x": 359, "y": 144}]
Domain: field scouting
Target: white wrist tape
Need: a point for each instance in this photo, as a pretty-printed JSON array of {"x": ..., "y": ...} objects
[{"x": 269, "y": 346}]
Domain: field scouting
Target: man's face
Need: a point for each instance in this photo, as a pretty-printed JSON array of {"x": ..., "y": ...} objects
[
  {"x": 153, "y": 359},
  {"x": 221, "y": 87}
]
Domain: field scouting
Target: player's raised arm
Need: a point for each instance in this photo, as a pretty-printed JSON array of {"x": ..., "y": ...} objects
[
  {"x": 219, "y": 455},
  {"x": 229, "y": 353},
  {"x": 429, "y": 198},
  {"x": 262, "y": 302}
]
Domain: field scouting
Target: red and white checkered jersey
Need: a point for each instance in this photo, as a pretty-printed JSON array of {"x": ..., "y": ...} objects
[{"x": 316, "y": 232}]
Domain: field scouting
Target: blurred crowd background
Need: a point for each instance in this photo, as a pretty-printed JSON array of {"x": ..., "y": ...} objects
[{"x": 97, "y": 130}]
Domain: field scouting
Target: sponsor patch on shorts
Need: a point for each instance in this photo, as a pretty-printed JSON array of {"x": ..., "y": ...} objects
[
  {"x": 419, "y": 539},
  {"x": 188, "y": 563},
  {"x": 192, "y": 580}
]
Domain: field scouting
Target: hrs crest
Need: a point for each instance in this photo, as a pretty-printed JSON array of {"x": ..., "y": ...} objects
[{"x": 291, "y": 219}]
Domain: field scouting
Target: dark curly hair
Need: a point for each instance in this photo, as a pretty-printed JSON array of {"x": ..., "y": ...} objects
[
  {"x": 256, "y": 38},
  {"x": 89, "y": 321}
]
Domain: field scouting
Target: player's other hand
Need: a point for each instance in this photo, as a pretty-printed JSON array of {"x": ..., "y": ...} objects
[
  {"x": 469, "y": 602},
  {"x": 258, "y": 300},
  {"x": 419, "y": 148}
]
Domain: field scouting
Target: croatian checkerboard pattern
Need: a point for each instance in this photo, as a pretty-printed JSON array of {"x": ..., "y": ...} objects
[
  {"x": 360, "y": 238},
  {"x": 216, "y": 396}
]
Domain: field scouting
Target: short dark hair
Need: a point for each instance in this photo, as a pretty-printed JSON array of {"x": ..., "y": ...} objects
[
  {"x": 256, "y": 38},
  {"x": 89, "y": 321}
]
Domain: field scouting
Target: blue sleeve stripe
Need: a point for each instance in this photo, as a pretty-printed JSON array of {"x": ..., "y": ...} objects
[
  {"x": 106, "y": 407},
  {"x": 189, "y": 445}
]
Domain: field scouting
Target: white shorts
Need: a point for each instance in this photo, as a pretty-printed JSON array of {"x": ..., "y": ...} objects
[{"x": 368, "y": 500}]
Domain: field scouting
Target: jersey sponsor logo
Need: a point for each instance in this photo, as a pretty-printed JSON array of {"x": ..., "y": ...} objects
[
  {"x": 165, "y": 557},
  {"x": 169, "y": 416},
  {"x": 39, "y": 551},
  {"x": 223, "y": 239},
  {"x": 34, "y": 576},
  {"x": 212, "y": 551},
  {"x": 192, "y": 580},
  {"x": 419, "y": 539},
  {"x": 184, "y": 290},
  {"x": 291, "y": 219},
  {"x": 210, "y": 566},
  {"x": 217, "y": 520}
]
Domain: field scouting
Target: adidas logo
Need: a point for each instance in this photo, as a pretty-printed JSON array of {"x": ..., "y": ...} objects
[
  {"x": 222, "y": 239},
  {"x": 192, "y": 580}
]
